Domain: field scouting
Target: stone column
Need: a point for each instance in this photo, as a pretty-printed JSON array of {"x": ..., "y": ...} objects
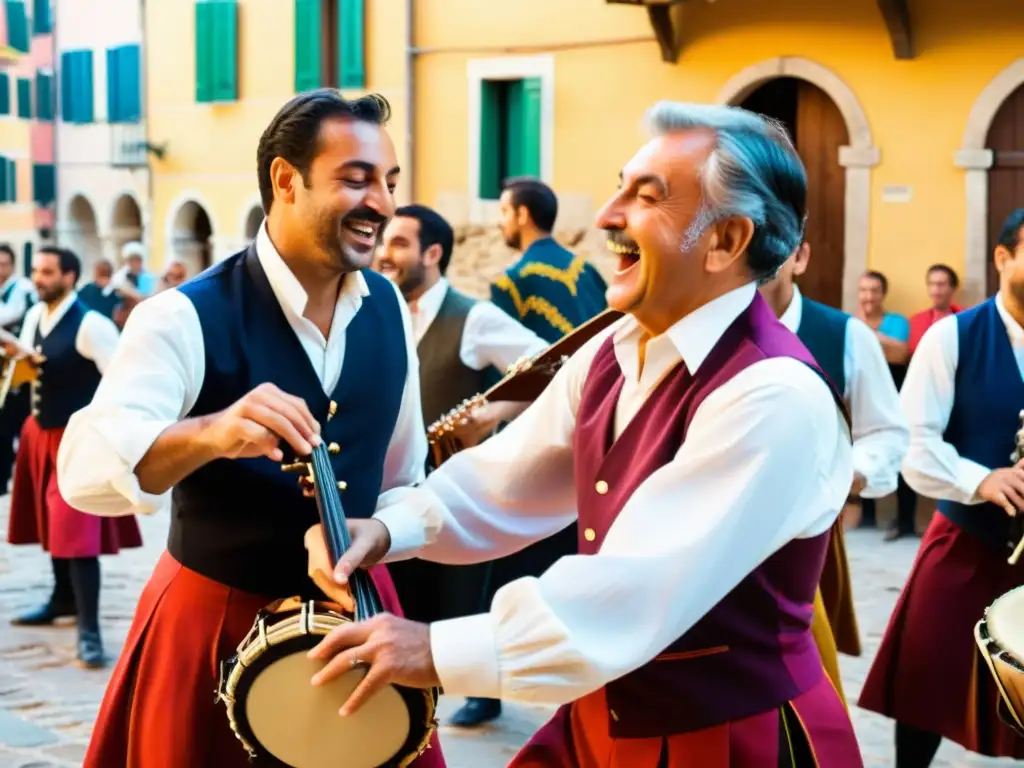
[
  {"x": 976, "y": 163},
  {"x": 858, "y": 163}
]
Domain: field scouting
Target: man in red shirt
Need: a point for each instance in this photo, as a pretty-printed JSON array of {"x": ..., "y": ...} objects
[{"x": 942, "y": 285}]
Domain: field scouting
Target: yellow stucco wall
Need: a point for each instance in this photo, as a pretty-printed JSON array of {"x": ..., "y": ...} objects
[
  {"x": 211, "y": 148},
  {"x": 916, "y": 110}
]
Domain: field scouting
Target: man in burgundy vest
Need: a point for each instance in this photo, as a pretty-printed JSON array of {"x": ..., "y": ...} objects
[{"x": 705, "y": 457}]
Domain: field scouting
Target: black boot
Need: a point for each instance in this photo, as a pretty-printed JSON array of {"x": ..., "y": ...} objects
[
  {"x": 61, "y": 603},
  {"x": 85, "y": 578},
  {"x": 476, "y": 712}
]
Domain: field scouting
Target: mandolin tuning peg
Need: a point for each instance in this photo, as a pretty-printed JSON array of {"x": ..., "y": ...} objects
[
  {"x": 342, "y": 485},
  {"x": 298, "y": 466}
]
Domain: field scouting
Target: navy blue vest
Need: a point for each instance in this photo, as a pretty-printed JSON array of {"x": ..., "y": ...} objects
[
  {"x": 823, "y": 331},
  {"x": 67, "y": 380},
  {"x": 242, "y": 522},
  {"x": 989, "y": 396}
]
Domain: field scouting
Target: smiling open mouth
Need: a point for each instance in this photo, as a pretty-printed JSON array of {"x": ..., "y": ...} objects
[
  {"x": 628, "y": 253},
  {"x": 363, "y": 233}
]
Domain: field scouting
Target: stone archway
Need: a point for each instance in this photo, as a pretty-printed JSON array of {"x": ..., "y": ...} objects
[
  {"x": 83, "y": 232},
  {"x": 125, "y": 225},
  {"x": 858, "y": 158},
  {"x": 191, "y": 237},
  {"x": 976, "y": 159}
]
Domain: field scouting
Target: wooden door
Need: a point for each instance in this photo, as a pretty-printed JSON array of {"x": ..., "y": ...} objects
[
  {"x": 819, "y": 133},
  {"x": 1006, "y": 178}
]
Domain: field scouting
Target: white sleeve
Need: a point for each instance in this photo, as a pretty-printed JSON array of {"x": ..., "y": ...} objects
[
  {"x": 12, "y": 310},
  {"x": 687, "y": 536},
  {"x": 153, "y": 380},
  {"x": 97, "y": 339},
  {"x": 880, "y": 434},
  {"x": 932, "y": 466},
  {"x": 493, "y": 338}
]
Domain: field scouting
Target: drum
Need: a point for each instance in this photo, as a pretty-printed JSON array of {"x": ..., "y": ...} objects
[
  {"x": 283, "y": 720},
  {"x": 1000, "y": 636}
]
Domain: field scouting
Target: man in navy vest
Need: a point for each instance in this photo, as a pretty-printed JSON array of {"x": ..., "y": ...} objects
[
  {"x": 291, "y": 342},
  {"x": 850, "y": 355},
  {"x": 962, "y": 397},
  {"x": 16, "y": 296},
  {"x": 75, "y": 346},
  {"x": 705, "y": 456}
]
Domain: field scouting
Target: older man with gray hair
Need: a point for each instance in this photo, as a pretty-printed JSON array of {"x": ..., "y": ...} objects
[{"x": 705, "y": 457}]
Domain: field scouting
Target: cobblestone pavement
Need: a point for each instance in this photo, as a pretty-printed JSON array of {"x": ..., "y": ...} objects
[{"x": 47, "y": 704}]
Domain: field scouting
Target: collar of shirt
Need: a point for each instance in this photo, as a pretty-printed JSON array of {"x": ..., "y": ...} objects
[
  {"x": 1013, "y": 329},
  {"x": 12, "y": 280},
  {"x": 794, "y": 312},
  {"x": 690, "y": 339},
  {"x": 293, "y": 297},
  {"x": 426, "y": 307},
  {"x": 49, "y": 318}
]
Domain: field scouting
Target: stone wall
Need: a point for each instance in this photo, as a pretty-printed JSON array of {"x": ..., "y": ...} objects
[{"x": 481, "y": 255}]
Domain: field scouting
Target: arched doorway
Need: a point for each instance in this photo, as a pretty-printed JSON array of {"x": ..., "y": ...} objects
[
  {"x": 1006, "y": 175},
  {"x": 125, "y": 224},
  {"x": 252, "y": 222},
  {"x": 818, "y": 130},
  {"x": 83, "y": 234},
  {"x": 190, "y": 242}
]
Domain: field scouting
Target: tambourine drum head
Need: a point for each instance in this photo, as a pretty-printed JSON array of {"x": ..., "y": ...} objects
[
  {"x": 1005, "y": 622},
  {"x": 299, "y": 724}
]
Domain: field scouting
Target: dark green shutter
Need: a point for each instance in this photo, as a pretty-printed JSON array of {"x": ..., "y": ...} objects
[
  {"x": 130, "y": 82},
  {"x": 204, "y": 51},
  {"x": 24, "y": 97},
  {"x": 17, "y": 26},
  {"x": 42, "y": 23},
  {"x": 82, "y": 87},
  {"x": 490, "y": 139},
  {"x": 225, "y": 55},
  {"x": 44, "y": 183},
  {"x": 5, "y": 93},
  {"x": 27, "y": 259},
  {"x": 523, "y": 129},
  {"x": 351, "y": 44},
  {"x": 67, "y": 101},
  {"x": 4, "y": 190},
  {"x": 113, "y": 87},
  {"x": 12, "y": 181},
  {"x": 44, "y": 96},
  {"x": 308, "y": 44}
]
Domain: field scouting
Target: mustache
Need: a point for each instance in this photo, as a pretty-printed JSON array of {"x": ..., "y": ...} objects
[
  {"x": 619, "y": 237},
  {"x": 364, "y": 214}
]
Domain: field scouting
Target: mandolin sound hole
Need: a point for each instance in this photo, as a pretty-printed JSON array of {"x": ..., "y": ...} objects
[{"x": 299, "y": 724}]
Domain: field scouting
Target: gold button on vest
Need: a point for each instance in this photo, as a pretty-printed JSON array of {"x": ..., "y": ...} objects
[
  {"x": 601, "y": 487},
  {"x": 589, "y": 534}
]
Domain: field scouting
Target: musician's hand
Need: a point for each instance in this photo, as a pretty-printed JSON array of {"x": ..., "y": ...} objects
[
  {"x": 1005, "y": 487},
  {"x": 255, "y": 425},
  {"x": 395, "y": 650},
  {"x": 859, "y": 483},
  {"x": 371, "y": 540}
]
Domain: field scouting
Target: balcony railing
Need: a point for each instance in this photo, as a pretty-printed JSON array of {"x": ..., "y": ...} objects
[{"x": 128, "y": 145}]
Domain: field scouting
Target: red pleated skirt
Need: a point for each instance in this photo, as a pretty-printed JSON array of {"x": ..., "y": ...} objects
[
  {"x": 159, "y": 710},
  {"x": 40, "y": 515},
  {"x": 817, "y": 734},
  {"x": 929, "y": 673}
]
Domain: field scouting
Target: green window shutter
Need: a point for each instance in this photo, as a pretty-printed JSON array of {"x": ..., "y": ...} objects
[
  {"x": 204, "y": 51},
  {"x": 523, "y": 129},
  {"x": 27, "y": 260},
  {"x": 490, "y": 139},
  {"x": 225, "y": 56},
  {"x": 5, "y": 93},
  {"x": 67, "y": 101},
  {"x": 113, "y": 86},
  {"x": 351, "y": 44},
  {"x": 24, "y": 97},
  {"x": 44, "y": 184},
  {"x": 83, "y": 91},
  {"x": 4, "y": 190},
  {"x": 42, "y": 21},
  {"x": 308, "y": 47},
  {"x": 129, "y": 70},
  {"x": 12, "y": 181},
  {"x": 17, "y": 25},
  {"x": 44, "y": 96}
]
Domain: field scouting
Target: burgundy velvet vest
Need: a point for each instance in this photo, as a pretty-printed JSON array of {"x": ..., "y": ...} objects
[{"x": 753, "y": 651}]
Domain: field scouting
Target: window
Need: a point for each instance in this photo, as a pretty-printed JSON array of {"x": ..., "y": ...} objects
[
  {"x": 330, "y": 44},
  {"x": 24, "y": 97},
  {"x": 216, "y": 50},
  {"x": 17, "y": 25},
  {"x": 8, "y": 180},
  {"x": 42, "y": 19},
  {"x": 76, "y": 93},
  {"x": 509, "y": 132},
  {"x": 44, "y": 95},
  {"x": 44, "y": 184},
  {"x": 124, "y": 84},
  {"x": 5, "y": 93}
]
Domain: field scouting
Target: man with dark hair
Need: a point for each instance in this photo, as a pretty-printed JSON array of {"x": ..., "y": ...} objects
[
  {"x": 458, "y": 339},
  {"x": 962, "y": 398},
  {"x": 16, "y": 296},
  {"x": 706, "y": 458},
  {"x": 892, "y": 329},
  {"x": 285, "y": 345},
  {"x": 851, "y": 356},
  {"x": 72, "y": 346},
  {"x": 100, "y": 294},
  {"x": 942, "y": 285},
  {"x": 549, "y": 290}
]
